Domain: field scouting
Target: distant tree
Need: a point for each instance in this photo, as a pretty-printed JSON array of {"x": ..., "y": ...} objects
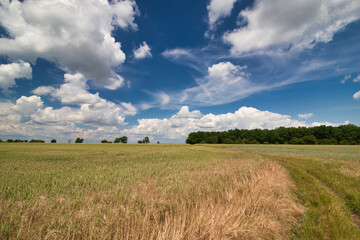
[
  {"x": 140, "y": 141},
  {"x": 18, "y": 141},
  {"x": 9, "y": 140},
  {"x": 146, "y": 140},
  {"x": 26, "y": 140},
  {"x": 69, "y": 141},
  {"x": 36, "y": 141},
  {"x": 124, "y": 139},
  {"x": 0, "y": 140},
  {"x": 158, "y": 142},
  {"x": 105, "y": 141},
  {"x": 53, "y": 141},
  {"x": 79, "y": 140}
]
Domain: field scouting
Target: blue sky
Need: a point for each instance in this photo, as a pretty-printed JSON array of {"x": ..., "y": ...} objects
[{"x": 102, "y": 69}]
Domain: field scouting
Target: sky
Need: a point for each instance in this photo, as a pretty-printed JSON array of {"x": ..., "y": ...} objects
[{"x": 102, "y": 69}]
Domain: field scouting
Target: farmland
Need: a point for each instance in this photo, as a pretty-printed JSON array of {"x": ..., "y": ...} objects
[{"x": 113, "y": 191}]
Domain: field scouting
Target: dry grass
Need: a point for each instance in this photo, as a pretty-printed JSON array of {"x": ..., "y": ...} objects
[{"x": 220, "y": 202}]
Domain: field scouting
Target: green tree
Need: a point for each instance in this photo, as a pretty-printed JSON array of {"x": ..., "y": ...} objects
[
  {"x": 53, "y": 141},
  {"x": 79, "y": 140},
  {"x": 124, "y": 139},
  {"x": 146, "y": 140}
]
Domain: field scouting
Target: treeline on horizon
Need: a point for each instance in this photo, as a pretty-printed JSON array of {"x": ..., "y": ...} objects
[{"x": 326, "y": 135}]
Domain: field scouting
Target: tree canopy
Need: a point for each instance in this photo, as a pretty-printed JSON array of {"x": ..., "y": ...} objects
[{"x": 344, "y": 134}]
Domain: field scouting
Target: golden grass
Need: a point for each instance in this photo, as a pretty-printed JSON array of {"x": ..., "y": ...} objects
[{"x": 218, "y": 202}]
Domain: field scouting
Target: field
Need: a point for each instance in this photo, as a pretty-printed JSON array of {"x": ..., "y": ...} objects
[{"x": 114, "y": 191}]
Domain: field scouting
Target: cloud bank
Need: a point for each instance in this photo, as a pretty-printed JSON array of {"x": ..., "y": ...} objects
[{"x": 177, "y": 127}]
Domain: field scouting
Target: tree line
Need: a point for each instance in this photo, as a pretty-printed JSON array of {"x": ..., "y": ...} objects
[{"x": 327, "y": 135}]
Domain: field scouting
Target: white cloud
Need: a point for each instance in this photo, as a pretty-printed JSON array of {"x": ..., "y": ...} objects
[
  {"x": 74, "y": 34},
  {"x": 93, "y": 109},
  {"x": 143, "y": 51},
  {"x": 224, "y": 83},
  {"x": 176, "y": 53},
  {"x": 218, "y": 9},
  {"x": 317, "y": 124},
  {"x": 124, "y": 13},
  {"x": 75, "y": 91},
  {"x": 357, "y": 79},
  {"x": 43, "y": 90},
  {"x": 27, "y": 106},
  {"x": 29, "y": 117},
  {"x": 12, "y": 71},
  {"x": 346, "y": 77},
  {"x": 305, "y": 115},
  {"x": 294, "y": 25},
  {"x": 357, "y": 95}
]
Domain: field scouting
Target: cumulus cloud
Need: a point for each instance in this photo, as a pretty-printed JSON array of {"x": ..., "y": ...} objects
[
  {"x": 74, "y": 34},
  {"x": 93, "y": 109},
  {"x": 356, "y": 95},
  {"x": 12, "y": 71},
  {"x": 357, "y": 79},
  {"x": 346, "y": 77},
  {"x": 124, "y": 13},
  {"x": 75, "y": 91},
  {"x": 43, "y": 90},
  {"x": 305, "y": 115},
  {"x": 294, "y": 25},
  {"x": 143, "y": 51},
  {"x": 218, "y": 9}
]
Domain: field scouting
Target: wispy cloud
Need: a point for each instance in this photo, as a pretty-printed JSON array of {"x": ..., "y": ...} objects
[
  {"x": 305, "y": 115},
  {"x": 345, "y": 78},
  {"x": 357, "y": 79}
]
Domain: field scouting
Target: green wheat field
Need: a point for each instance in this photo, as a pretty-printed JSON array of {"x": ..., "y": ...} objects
[{"x": 160, "y": 191}]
